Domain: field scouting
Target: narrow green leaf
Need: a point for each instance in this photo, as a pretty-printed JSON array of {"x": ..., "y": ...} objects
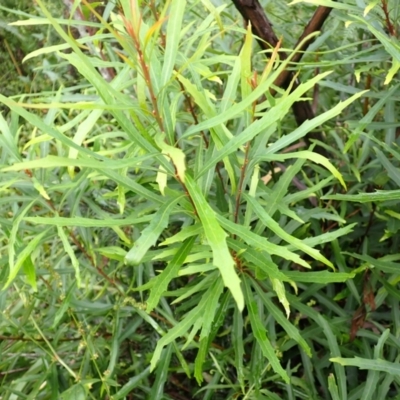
[
  {"x": 245, "y": 70},
  {"x": 186, "y": 232},
  {"x": 238, "y": 345},
  {"x": 333, "y": 389},
  {"x": 329, "y": 236},
  {"x": 219, "y": 320},
  {"x": 151, "y": 233},
  {"x": 174, "y": 27},
  {"x": 279, "y": 289},
  {"x": 379, "y": 263},
  {"x": 379, "y": 195},
  {"x": 38, "y": 122},
  {"x": 318, "y": 277},
  {"x": 211, "y": 307},
  {"x": 13, "y": 271},
  {"x": 335, "y": 351},
  {"x": 162, "y": 281},
  {"x": 309, "y": 125},
  {"x": 70, "y": 251},
  {"x": 216, "y": 237},
  {"x": 157, "y": 392},
  {"x": 260, "y": 333},
  {"x": 315, "y": 157},
  {"x": 134, "y": 382},
  {"x": 259, "y": 259},
  {"x": 282, "y": 186},
  {"x": 162, "y": 179},
  {"x": 200, "y": 358},
  {"x": 176, "y": 154},
  {"x": 393, "y": 172},
  {"x": 51, "y": 161},
  {"x": 83, "y": 130},
  {"x": 270, "y": 223},
  {"x": 289, "y": 328},
  {"x": 236, "y": 109},
  {"x": 178, "y": 330},
  {"x": 64, "y": 306},
  {"x": 388, "y": 44},
  {"x": 371, "y": 385},
  {"x": 7, "y": 141},
  {"x": 366, "y": 120},
  {"x": 88, "y": 222},
  {"x": 22, "y": 258},
  {"x": 259, "y": 242},
  {"x": 230, "y": 93},
  {"x": 365, "y": 363},
  {"x": 30, "y": 272},
  {"x": 202, "y": 285}
]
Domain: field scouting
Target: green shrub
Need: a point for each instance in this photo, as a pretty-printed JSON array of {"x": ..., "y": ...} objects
[{"x": 163, "y": 233}]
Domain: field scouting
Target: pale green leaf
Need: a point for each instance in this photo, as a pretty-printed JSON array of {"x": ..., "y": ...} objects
[
  {"x": 151, "y": 233},
  {"x": 176, "y": 154},
  {"x": 274, "y": 226},
  {"x": 174, "y": 27},
  {"x": 70, "y": 251},
  {"x": 324, "y": 277},
  {"x": 185, "y": 233},
  {"x": 373, "y": 365},
  {"x": 379, "y": 195},
  {"x": 88, "y": 222},
  {"x": 259, "y": 242},
  {"x": 280, "y": 291},
  {"x": 29, "y": 270},
  {"x": 216, "y": 237}
]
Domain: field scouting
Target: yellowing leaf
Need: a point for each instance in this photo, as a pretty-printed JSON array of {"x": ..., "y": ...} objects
[
  {"x": 279, "y": 288},
  {"x": 177, "y": 156}
]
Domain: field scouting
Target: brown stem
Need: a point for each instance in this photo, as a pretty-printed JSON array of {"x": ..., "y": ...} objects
[
  {"x": 389, "y": 25},
  {"x": 315, "y": 24},
  {"x": 252, "y": 11}
]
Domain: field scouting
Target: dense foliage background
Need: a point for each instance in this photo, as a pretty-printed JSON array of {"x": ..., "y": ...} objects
[{"x": 168, "y": 231}]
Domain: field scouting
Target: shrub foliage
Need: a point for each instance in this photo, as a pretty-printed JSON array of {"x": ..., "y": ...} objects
[{"x": 170, "y": 233}]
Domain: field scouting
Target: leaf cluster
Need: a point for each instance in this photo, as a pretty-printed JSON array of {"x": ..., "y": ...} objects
[{"x": 164, "y": 234}]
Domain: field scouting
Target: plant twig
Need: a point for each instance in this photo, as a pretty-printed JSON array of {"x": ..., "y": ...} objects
[{"x": 252, "y": 11}]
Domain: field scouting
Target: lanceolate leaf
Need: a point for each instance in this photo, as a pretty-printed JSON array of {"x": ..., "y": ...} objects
[
  {"x": 259, "y": 242},
  {"x": 177, "y": 155},
  {"x": 379, "y": 195},
  {"x": 317, "y": 158},
  {"x": 211, "y": 308},
  {"x": 309, "y": 125},
  {"x": 291, "y": 330},
  {"x": 260, "y": 332},
  {"x": 150, "y": 234},
  {"x": 161, "y": 281},
  {"x": 274, "y": 226},
  {"x": 319, "y": 276},
  {"x": 216, "y": 237},
  {"x": 364, "y": 363},
  {"x": 174, "y": 25},
  {"x": 194, "y": 318}
]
